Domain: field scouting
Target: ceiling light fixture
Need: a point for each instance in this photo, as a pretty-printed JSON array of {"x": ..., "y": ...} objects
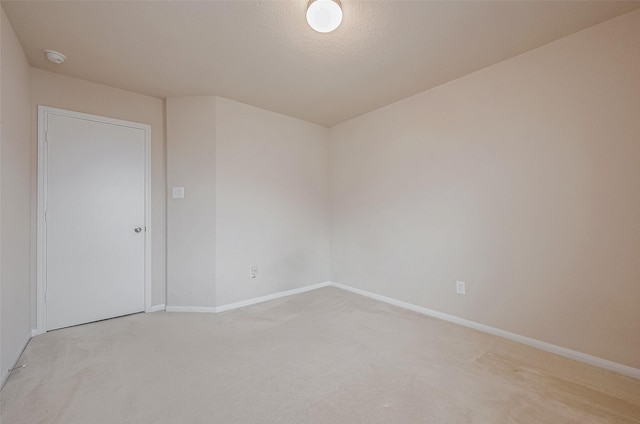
[
  {"x": 324, "y": 15},
  {"x": 55, "y": 57}
]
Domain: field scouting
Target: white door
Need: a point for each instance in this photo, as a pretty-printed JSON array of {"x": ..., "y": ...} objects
[{"x": 94, "y": 220}]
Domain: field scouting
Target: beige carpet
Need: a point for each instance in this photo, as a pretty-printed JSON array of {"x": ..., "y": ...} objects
[{"x": 326, "y": 356}]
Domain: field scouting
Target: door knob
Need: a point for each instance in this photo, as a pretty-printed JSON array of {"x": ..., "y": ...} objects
[{"x": 138, "y": 229}]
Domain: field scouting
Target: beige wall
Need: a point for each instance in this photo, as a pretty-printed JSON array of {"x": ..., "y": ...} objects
[
  {"x": 191, "y": 232},
  {"x": 523, "y": 180},
  {"x": 271, "y": 202},
  {"x": 15, "y": 203},
  {"x": 64, "y": 92},
  {"x": 256, "y": 194}
]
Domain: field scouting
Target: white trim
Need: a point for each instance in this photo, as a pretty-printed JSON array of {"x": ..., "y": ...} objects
[
  {"x": 5, "y": 372},
  {"x": 268, "y": 297},
  {"x": 147, "y": 216},
  {"x": 201, "y": 309},
  {"x": 548, "y": 347},
  {"x": 43, "y": 112},
  {"x": 156, "y": 308},
  {"x": 41, "y": 239},
  {"x": 248, "y": 302}
]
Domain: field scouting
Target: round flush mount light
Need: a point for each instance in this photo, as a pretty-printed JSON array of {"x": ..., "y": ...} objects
[
  {"x": 55, "y": 57},
  {"x": 324, "y": 15}
]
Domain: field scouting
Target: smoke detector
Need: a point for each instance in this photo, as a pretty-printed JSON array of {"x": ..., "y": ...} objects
[{"x": 55, "y": 57}]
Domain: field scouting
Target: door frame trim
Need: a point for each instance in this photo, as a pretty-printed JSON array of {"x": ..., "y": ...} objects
[{"x": 41, "y": 283}]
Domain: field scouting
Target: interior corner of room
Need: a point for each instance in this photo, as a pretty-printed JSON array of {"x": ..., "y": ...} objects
[{"x": 505, "y": 200}]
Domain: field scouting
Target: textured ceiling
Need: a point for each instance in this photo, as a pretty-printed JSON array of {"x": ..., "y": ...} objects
[{"x": 263, "y": 53}]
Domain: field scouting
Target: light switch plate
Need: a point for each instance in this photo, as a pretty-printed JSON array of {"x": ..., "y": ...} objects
[{"x": 178, "y": 192}]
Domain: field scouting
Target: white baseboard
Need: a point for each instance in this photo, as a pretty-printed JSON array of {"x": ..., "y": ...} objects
[
  {"x": 201, "y": 309},
  {"x": 268, "y": 297},
  {"x": 4, "y": 376},
  {"x": 243, "y": 303},
  {"x": 156, "y": 308},
  {"x": 548, "y": 347}
]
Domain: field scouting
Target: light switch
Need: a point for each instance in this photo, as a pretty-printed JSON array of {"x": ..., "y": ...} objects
[{"x": 178, "y": 192}]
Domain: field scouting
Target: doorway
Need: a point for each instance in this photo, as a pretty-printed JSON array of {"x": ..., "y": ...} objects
[{"x": 93, "y": 218}]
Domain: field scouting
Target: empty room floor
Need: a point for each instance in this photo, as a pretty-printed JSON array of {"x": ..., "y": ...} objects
[{"x": 325, "y": 356}]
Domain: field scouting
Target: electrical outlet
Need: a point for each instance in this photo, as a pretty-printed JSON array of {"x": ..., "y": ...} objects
[
  {"x": 253, "y": 272},
  {"x": 461, "y": 287}
]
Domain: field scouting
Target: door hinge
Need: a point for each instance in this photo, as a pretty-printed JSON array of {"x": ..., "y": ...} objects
[
  {"x": 46, "y": 136},
  {"x": 45, "y": 215}
]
